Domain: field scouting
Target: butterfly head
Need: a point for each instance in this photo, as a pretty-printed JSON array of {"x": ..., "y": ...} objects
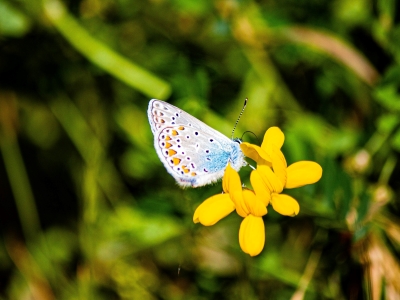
[{"x": 237, "y": 140}]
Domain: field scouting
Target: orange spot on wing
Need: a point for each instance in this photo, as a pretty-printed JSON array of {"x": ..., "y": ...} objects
[
  {"x": 171, "y": 152},
  {"x": 193, "y": 174},
  {"x": 181, "y": 128},
  {"x": 174, "y": 132},
  {"x": 168, "y": 145},
  {"x": 167, "y": 138},
  {"x": 176, "y": 161}
]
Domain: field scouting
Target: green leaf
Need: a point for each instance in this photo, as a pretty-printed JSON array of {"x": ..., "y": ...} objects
[
  {"x": 12, "y": 21},
  {"x": 386, "y": 123}
]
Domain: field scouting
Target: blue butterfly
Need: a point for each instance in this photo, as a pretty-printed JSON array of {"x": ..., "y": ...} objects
[{"x": 191, "y": 151}]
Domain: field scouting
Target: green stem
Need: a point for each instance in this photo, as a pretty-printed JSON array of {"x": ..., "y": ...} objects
[
  {"x": 103, "y": 56},
  {"x": 20, "y": 186},
  {"x": 387, "y": 169},
  {"x": 376, "y": 141}
]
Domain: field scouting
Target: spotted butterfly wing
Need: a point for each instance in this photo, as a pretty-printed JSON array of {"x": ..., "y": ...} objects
[{"x": 191, "y": 151}]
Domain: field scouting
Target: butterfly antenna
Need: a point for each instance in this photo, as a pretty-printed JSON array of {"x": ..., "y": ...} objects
[
  {"x": 249, "y": 131},
  {"x": 241, "y": 113}
]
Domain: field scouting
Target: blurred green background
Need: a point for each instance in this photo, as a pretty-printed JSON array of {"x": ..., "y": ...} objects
[{"x": 88, "y": 211}]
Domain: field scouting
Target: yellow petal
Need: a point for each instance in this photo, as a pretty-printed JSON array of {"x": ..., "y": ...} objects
[
  {"x": 285, "y": 205},
  {"x": 231, "y": 182},
  {"x": 254, "y": 204},
  {"x": 232, "y": 185},
  {"x": 279, "y": 165},
  {"x": 213, "y": 209},
  {"x": 255, "y": 153},
  {"x": 240, "y": 204},
  {"x": 302, "y": 173},
  {"x": 272, "y": 182},
  {"x": 273, "y": 136},
  {"x": 225, "y": 179},
  {"x": 252, "y": 235},
  {"x": 260, "y": 188}
]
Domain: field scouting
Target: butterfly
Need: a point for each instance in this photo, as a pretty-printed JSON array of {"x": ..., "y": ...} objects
[{"x": 192, "y": 152}]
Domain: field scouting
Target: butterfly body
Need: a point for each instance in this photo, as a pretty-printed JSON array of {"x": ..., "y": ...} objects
[{"x": 191, "y": 151}]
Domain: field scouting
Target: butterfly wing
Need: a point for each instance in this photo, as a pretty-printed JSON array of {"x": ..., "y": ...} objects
[
  {"x": 162, "y": 114},
  {"x": 191, "y": 151}
]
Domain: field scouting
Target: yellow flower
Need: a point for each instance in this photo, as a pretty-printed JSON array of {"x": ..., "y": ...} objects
[
  {"x": 272, "y": 174},
  {"x": 268, "y": 180},
  {"x": 248, "y": 205}
]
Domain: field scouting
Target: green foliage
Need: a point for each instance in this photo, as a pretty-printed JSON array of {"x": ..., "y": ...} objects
[
  {"x": 12, "y": 21},
  {"x": 88, "y": 210}
]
